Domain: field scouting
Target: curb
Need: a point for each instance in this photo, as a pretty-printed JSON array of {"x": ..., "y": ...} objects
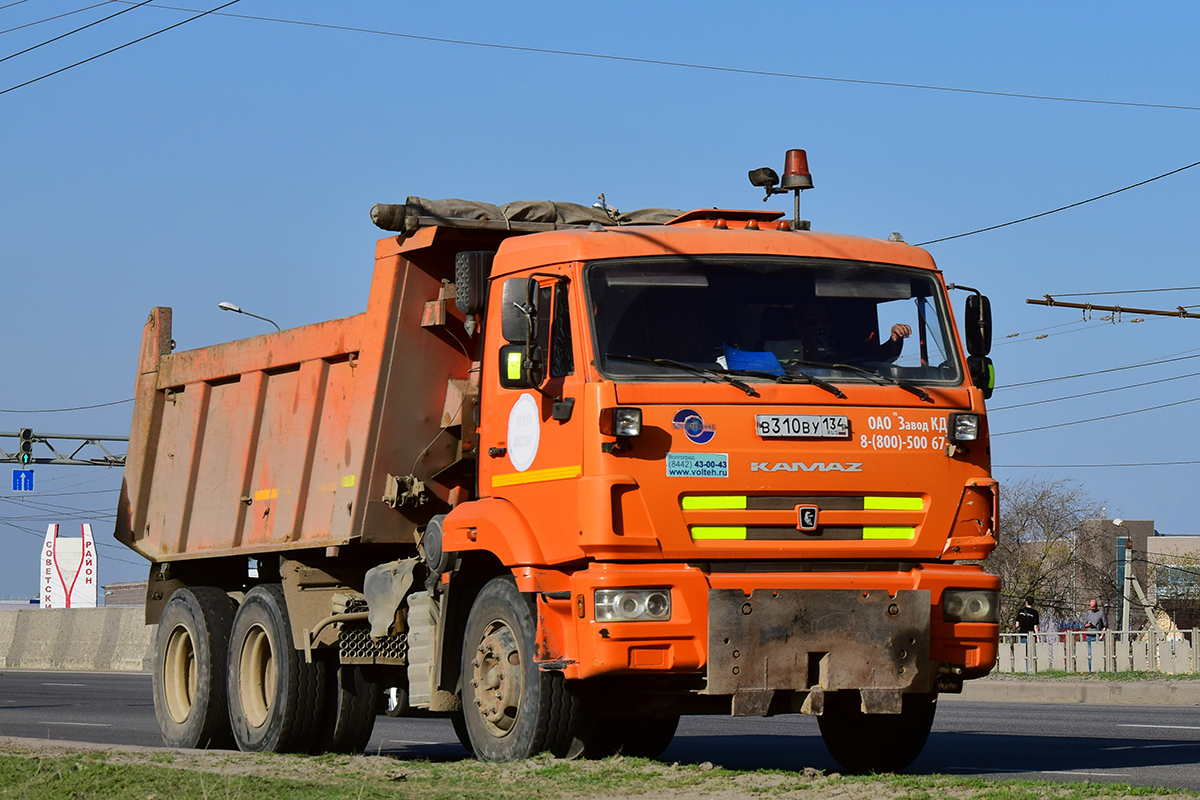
[{"x": 1139, "y": 693}]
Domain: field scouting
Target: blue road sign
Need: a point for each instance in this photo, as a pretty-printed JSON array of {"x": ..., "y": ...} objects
[{"x": 22, "y": 480}]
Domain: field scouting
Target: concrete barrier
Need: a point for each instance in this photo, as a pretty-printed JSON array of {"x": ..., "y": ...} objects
[{"x": 108, "y": 639}]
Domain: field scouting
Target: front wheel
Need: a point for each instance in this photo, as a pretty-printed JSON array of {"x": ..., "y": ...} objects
[
  {"x": 864, "y": 743},
  {"x": 511, "y": 709}
]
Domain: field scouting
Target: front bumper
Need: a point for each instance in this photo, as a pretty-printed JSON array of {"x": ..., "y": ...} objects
[{"x": 839, "y": 626}]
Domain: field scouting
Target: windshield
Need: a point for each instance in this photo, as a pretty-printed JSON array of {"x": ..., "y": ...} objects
[{"x": 769, "y": 319}]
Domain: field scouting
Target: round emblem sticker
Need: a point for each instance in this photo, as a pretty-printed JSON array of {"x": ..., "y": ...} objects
[
  {"x": 524, "y": 432},
  {"x": 693, "y": 426}
]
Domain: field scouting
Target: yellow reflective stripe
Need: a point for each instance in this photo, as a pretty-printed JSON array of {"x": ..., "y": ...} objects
[
  {"x": 699, "y": 532},
  {"x": 889, "y": 533},
  {"x": 266, "y": 494},
  {"x": 893, "y": 503},
  {"x": 721, "y": 503},
  {"x": 537, "y": 476},
  {"x": 347, "y": 481}
]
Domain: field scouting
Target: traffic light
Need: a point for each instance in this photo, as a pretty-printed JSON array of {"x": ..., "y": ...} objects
[{"x": 25, "y": 445}]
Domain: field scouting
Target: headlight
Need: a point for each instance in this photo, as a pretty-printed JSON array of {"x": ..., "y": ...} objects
[
  {"x": 970, "y": 605},
  {"x": 621, "y": 421},
  {"x": 633, "y": 605},
  {"x": 963, "y": 427}
]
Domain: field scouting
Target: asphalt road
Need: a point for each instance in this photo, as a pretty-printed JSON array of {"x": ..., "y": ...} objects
[{"x": 1152, "y": 746}]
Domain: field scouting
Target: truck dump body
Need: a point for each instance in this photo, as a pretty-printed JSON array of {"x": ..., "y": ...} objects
[{"x": 286, "y": 440}]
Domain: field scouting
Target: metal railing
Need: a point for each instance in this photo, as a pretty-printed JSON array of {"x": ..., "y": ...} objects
[{"x": 1173, "y": 651}]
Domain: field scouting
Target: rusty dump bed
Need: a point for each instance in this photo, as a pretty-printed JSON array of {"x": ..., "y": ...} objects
[{"x": 287, "y": 440}]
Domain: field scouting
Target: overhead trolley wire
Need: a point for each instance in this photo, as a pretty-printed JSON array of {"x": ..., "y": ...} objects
[
  {"x": 1097, "y": 419},
  {"x": 1098, "y": 372},
  {"x": 56, "y": 410},
  {"x": 118, "y": 47},
  {"x": 1091, "y": 466},
  {"x": 692, "y": 65},
  {"x": 1090, "y": 394},
  {"x": 56, "y": 16},
  {"x": 1060, "y": 208},
  {"x": 77, "y": 30}
]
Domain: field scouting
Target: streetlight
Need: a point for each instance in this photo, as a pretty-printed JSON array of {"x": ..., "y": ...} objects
[{"x": 238, "y": 310}]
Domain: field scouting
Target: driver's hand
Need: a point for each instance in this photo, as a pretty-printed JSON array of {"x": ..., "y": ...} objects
[{"x": 901, "y": 331}]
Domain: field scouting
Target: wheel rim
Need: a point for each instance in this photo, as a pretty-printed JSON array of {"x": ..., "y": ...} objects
[
  {"x": 256, "y": 676},
  {"x": 180, "y": 676},
  {"x": 498, "y": 678}
]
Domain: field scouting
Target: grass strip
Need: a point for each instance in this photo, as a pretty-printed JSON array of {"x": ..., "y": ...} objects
[{"x": 33, "y": 772}]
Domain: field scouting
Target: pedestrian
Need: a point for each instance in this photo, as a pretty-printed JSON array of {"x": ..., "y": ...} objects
[
  {"x": 1095, "y": 618},
  {"x": 1028, "y": 619}
]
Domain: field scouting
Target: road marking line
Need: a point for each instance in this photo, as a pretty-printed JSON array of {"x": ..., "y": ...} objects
[
  {"x": 401, "y": 741},
  {"x": 78, "y": 724},
  {"x": 64, "y": 684},
  {"x": 1164, "y": 727}
]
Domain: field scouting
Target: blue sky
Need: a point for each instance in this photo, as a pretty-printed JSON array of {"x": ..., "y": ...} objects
[{"x": 234, "y": 159}]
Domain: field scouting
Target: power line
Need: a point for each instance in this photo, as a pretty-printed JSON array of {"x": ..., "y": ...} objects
[
  {"x": 691, "y": 65},
  {"x": 1060, "y": 208},
  {"x": 118, "y": 47},
  {"x": 10, "y": 5},
  {"x": 56, "y": 16},
  {"x": 1098, "y": 372},
  {"x": 1089, "y": 394},
  {"x": 77, "y": 30},
  {"x": 1127, "y": 291},
  {"x": 56, "y": 410},
  {"x": 106, "y": 545},
  {"x": 1097, "y": 419}
]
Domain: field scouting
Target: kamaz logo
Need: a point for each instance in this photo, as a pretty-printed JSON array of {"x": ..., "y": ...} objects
[{"x": 800, "y": 466}]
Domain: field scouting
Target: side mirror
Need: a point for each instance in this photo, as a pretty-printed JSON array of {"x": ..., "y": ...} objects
[
  {"x": 978, "y": 325},
  {"x": 983, "y": 374},
  {"x": 519, "y": 310},
  {"x": 521, "y": 366}
]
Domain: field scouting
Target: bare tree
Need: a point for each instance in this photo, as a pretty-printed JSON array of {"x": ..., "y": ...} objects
[{"x": 1044, "y": 551}]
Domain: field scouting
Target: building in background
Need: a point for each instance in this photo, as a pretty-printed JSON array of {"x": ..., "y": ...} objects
[
  {"x": 129, "y": 593},
  {"x": 1173, "y": 563}
]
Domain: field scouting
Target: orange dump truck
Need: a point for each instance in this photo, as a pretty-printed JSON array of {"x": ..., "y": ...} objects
[{"x": 571, "y": 475}]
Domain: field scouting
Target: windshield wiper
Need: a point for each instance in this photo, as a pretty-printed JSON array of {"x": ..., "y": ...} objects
[
  {"x": 789, "y": 377},
  {"x": 905, "y": 385},
  {"x": 707, "y": 374}
]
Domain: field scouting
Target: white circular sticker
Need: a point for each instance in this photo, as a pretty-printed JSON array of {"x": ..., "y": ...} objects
[{"x": 524, "y": 432}]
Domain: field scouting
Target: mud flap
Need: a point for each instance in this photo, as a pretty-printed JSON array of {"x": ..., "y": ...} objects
[{"x": 817, "y": 641}]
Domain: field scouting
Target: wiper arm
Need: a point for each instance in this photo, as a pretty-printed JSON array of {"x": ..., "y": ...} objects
[
  {"x": 875, "y": 374},
  {"x": 789, "y": 378},
  {"x": 707, "y": 374}
]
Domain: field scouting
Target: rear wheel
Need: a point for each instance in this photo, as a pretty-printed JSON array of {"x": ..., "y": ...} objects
[
  {"x": 351, "y": 701},
  {"x": 190, "y": 652},
  {"x": 275, "y": 698},
  {"x": 511, "y": 709},
  {"x": 875, "y": 742}
]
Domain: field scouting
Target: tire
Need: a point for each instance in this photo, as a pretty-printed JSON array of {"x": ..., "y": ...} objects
[
  {"x": 275, "y": 698},
  {"x": 396, "y": 701},
  {"x": 190, "y": 653},
  {"x": 864, "y": 743},
  {"x": 351, "y": 704},
  {"x": 640, "y": 737},
  {"x": 511, "y": 709}
]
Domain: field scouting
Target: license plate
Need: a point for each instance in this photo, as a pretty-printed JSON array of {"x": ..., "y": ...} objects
[{"x": 815, "y": 426}]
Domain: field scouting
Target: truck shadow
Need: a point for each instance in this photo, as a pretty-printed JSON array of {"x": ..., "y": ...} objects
[{"x": 994, "y": 755}]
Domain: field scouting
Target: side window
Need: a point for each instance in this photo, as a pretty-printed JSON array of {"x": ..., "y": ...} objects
[{"x": 562, "y": 355}]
